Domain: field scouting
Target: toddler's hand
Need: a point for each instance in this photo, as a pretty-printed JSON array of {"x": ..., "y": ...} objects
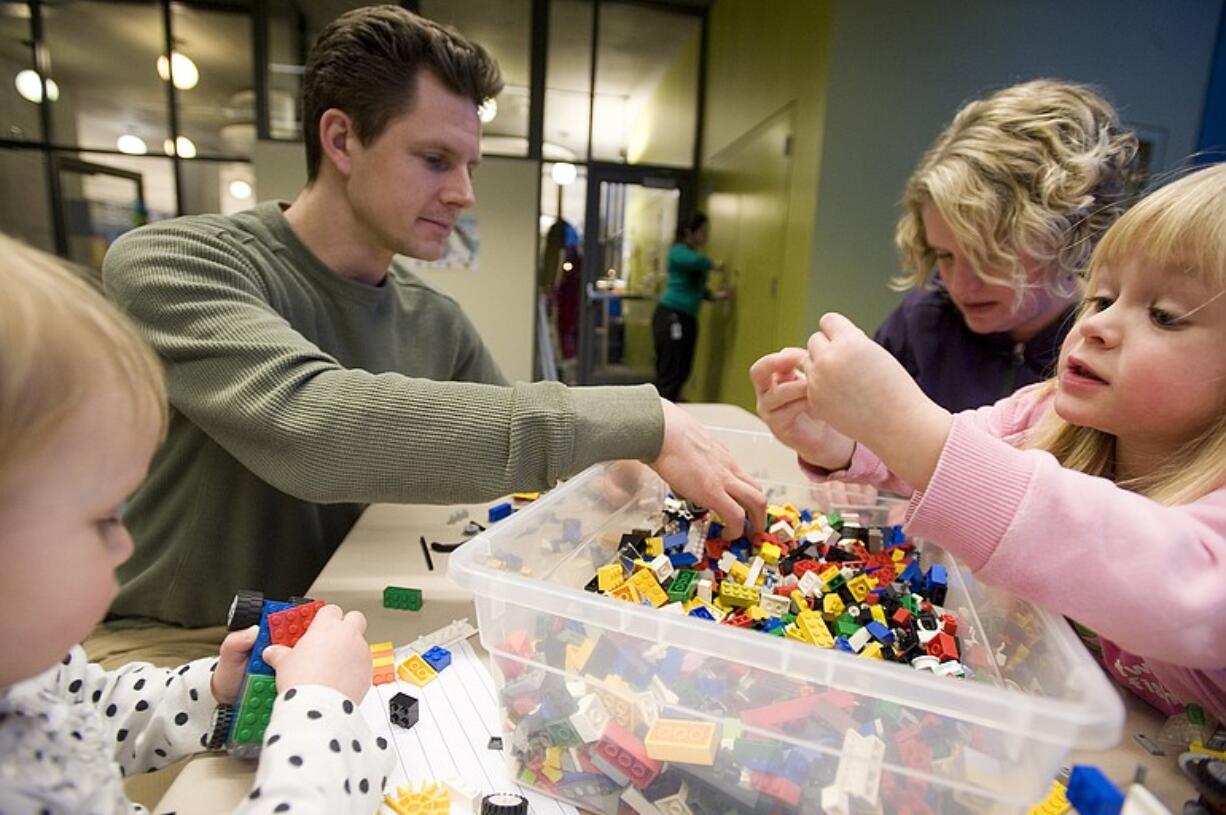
[
  {"x": 232, "y": 664},
  {"x": 333, "y": 652},
  {"x": 782, "y": 403}
]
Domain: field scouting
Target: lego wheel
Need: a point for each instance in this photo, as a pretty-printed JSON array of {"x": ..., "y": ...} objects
[
  {"x": 504, "y": 803},
  {"x": 245, "y": 610}
]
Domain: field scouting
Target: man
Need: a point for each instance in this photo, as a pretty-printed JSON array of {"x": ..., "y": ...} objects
[{"x": 311, "y": 375}]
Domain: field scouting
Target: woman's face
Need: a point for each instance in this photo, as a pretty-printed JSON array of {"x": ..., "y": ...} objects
[{"x": 990, "y": 308}]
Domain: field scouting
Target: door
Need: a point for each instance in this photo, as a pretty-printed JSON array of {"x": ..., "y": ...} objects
[
  {"x": 747, "y": 202},
  {"x": 631, "y": 221}
]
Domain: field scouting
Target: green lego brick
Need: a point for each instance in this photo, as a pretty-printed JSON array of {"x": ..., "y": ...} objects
[
  {"x": 684, "y": 584},
  {"x": 563, "y": 734},
  {"x": 255, "y": 710},
  {"x": 845, "y": 626},
  {"x": 402, "y": 598}
]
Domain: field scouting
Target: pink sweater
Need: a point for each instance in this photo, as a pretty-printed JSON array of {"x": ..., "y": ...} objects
[{"x": 1149, "y": 579}]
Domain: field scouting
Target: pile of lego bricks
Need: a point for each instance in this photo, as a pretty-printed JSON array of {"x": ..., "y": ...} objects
[
  {"x": 808, "y": 574},
  {"x": 616, "y": 724}
]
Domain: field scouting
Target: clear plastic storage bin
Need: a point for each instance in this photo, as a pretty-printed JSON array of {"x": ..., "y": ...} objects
[{"x": 761, "y": 724}]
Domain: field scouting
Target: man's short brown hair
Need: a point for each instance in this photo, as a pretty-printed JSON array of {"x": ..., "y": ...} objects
[{"x": 366, "y": 63}]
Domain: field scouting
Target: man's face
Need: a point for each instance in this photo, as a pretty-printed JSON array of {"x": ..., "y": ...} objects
[{"x": 409, "y": 185}]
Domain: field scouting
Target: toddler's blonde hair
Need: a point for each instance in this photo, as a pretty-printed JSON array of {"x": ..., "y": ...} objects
[
  {"x": 59, "y": 340},
  {"x": 1180, "y": 229},
  {"x": 1038, "y": 169}
]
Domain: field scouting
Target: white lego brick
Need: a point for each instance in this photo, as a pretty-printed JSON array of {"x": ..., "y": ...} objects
[
  {"x": 449, "y": 634},
  {"x": 664, "y": 695},
  {"x": 774, "y": 604},
  {"x": 859, "y": 639},
  {"x": 661, "y": 567},
  {"x": 726, "y": 561},
  {"x": 704, "y": 590},
  {"x": 590, "y": 719},
  {"x": 634, "y": 799},
  {"x": 809, "y": 584},
  {"x": 835, "y": 801},
  {"x": 859, "y": 772},
  {"x": 464, "y": 795},
  {"x": 783, "y": 529},
  {"x": 755, "y": 571}
]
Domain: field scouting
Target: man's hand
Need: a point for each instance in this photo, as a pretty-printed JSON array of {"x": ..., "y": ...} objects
[
  {"x": 232, "y": 664},
  {"x": 699, "y": 468},
  {"x": 783, "y": 404},
  {"x": 333, "y": 652},
  {"x": 864, "y": 393}
]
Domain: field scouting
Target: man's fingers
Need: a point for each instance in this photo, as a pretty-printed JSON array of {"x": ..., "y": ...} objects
[{"x": 750, "y": 496}]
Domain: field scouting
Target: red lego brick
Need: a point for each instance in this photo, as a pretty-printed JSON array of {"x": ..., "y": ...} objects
[
  {"x": 628, "y": 753},
  {"x": 779, "y": 788},
  {"x": 287, "y": 627}
]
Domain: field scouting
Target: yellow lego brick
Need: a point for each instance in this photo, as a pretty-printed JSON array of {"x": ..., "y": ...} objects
[
  {"x": 715, "y": 611},
  {"x": 553, "y": 757},
  {"x": 799, "y": 602},
  {"x": 872, "y": 651},
  {"x": 786, "y": 512},
  {"x": 576, "y": 655},
  {"x": 416, "y": 671},
  {"x": 897, "y": 555},
  {"x": 552, "y": 773},
  {"x": 832, "y": 605},
  {"x": 828, "y": 575},
  {"x": 859, "y": 587},
  {"x": 378, "y": 648},
  {"x": 737, "y": 595},
  {"x": 621, "y": 708},
  {"x": 1198, "y": 746},
  {"x": 431, "y": 799},
  {"x": 878, "y": 614},
  {"x": 739, "y": 572},
  {"x": 814, "y": 628},
  {"x": 648, "y": 587},
  {"x": 383, "y": 662},
  {"x": 1056, "y": 802},
  {"x": 793, "y": 632},
  {"x": 684, "y": 741},
  {"x": 655, "y": 546},
  {"x": 770, "y": 553},
  {"x": 756, "y": 613},
  {"x": 609, "y": 577},
  {"x": 626, "y": 591},
  {"x": 525, "y": 496}
]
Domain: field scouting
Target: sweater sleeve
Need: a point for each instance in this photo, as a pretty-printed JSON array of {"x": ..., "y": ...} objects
[
  {"x": 1144, "y": 575},
  {"x": 323, "y": 432},
  {"x": 318, "y": 757},
  {"x": 152, "y": 716}
]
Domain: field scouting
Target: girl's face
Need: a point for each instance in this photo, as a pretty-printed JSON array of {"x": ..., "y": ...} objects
[
  {"x": 61, "y": 536},
  {"x": 1145, "y": 362},
  {"x": 990, "y": 308}
]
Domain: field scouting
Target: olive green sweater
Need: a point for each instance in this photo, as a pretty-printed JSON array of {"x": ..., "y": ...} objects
[{"x": 299, "y": 396}]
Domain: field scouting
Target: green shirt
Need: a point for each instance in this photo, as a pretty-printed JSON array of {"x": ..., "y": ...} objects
[
  {"x": 299, "y": 396},
  {"x": 686, "y": 287}
]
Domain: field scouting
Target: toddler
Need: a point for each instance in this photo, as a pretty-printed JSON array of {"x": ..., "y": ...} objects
[
  {"x": 1101, "y": 493},
  {"x": 82, "y": 408}
]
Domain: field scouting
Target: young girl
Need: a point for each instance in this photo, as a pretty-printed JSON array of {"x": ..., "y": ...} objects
[
  {"x": 999, "y": 218},
  {"x": 1101, "y": 493},
  {"x": 82, "y": 407}
]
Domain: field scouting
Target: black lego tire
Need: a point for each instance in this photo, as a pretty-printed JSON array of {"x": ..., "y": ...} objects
[
  {"x": 245, "y": 610},
  {"x": 504, "y": 803}
]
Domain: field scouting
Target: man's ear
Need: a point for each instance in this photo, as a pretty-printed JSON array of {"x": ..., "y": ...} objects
[{"x": 337, "y": 139}]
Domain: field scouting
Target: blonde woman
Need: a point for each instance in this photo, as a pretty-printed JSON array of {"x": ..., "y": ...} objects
[
  {"x": 1100, "y": 493},
  {"x": 998, "y": 221}
]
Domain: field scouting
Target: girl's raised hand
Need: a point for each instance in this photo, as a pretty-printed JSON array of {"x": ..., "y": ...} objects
[
  {"x": 863, "y": 392},
  {"x": 781, "y": 402}
]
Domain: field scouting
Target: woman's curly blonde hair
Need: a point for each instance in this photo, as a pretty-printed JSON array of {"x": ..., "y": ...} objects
[{"x": 1037, "y": 169}]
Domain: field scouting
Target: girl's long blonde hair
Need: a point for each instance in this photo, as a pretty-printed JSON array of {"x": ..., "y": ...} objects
[
  {"x": 1039, "y": 169},
  {"x": 59, "y": 340},
  {"x": 1180, "y": 229}
]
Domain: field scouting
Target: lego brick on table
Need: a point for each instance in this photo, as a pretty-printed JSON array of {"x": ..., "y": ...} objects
[
  {"x": 690, "y": 742},
  {"x": 402, "y": 598},
  {"x": 403, "y": 711},
  {"x": 416, "y": 671},
  {"x": 383, "y": 663},
  {"x": 438, "y": 658}
]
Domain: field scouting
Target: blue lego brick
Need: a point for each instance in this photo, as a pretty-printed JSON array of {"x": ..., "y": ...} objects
[
  {"x": 572, "y": 530},
  {"x": 937, "y": 583},
  {"x": 499, "y": 511},
  {"x": 714, "y": 530},
  {"x": 675, "y": 542},
  {"x": 806, "y": 516},
  {"x": 1092, "y": 793},
  {"x": 841, "y": 643},
  {"x": 880, "y": 633},
  {"x": 913, "y": 576},
  {"x": 439, "y": 658},
  {"x": 256, "y": 663},
  {"x": 682, "y": 560},
  {"x": 701, "y": 613}
]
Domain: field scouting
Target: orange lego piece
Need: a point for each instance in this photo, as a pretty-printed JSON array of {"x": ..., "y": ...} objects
[
  {"x": 287, "y": 627},
  {"x": 689, "y": 742}
]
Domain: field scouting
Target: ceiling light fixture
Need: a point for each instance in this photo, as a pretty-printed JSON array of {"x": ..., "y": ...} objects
[
  {"x": 187, "y": 76},
  {"x": 132, "y": 145},
  {"x": 563, "y": 173},
  {"x": 30, "y": 86},
  {"x": 240, "y": 189},
  {"x": 183, "y": 146},
  {"x": 487, "y": 110}
]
